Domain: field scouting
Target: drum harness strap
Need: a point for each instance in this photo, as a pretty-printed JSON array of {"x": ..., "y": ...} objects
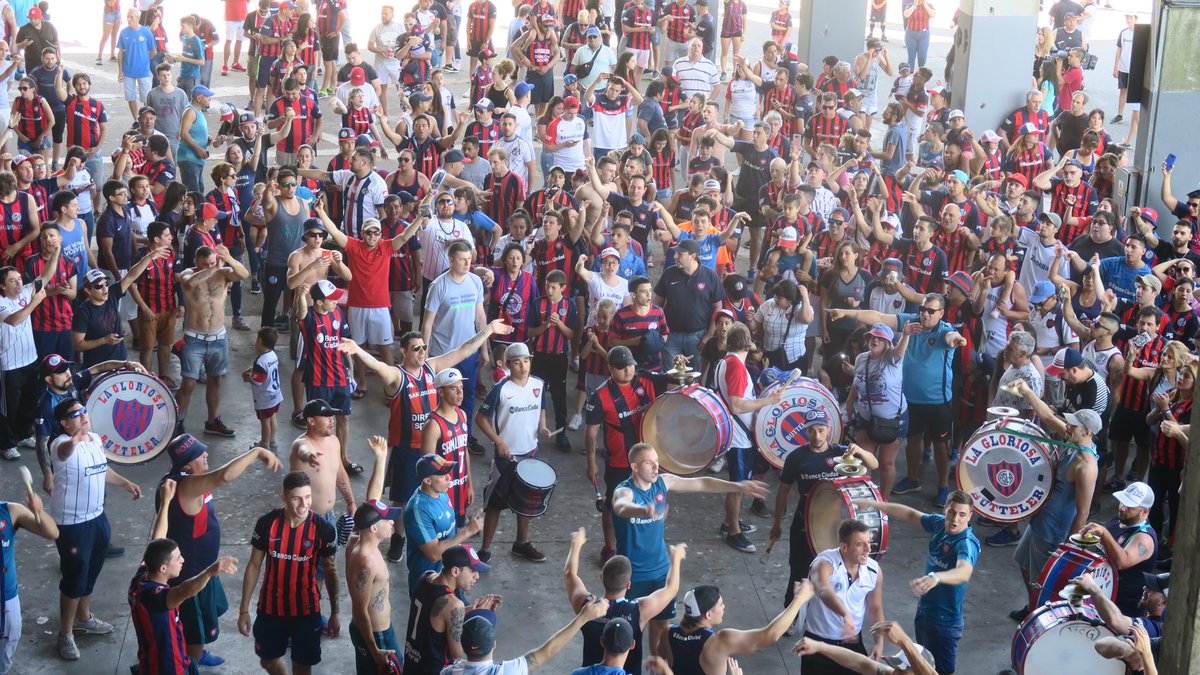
[
  {"x": 1049, "y": 441},
  {"x": 720, "y": 392}
]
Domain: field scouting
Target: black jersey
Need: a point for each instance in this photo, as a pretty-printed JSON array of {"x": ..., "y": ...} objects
[
  {"x": 593, "y": 651},
  {"x": 425, "y": 650},
  {"x": 686, "y": 648}
]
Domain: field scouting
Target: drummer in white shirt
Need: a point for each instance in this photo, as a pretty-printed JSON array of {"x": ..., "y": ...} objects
[
  {"x": 849, "y": 585},
  {"x": 512, "y": 415}
]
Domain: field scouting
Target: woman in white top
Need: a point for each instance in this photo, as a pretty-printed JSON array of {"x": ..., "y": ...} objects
[
  {"x": 877, "y": 400},
  {"x": 782, "y": 322},
  {"x": 607, "y": 284},
  {"x": 742, "y": 94}
]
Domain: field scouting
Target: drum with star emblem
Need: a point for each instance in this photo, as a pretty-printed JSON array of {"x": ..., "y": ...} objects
[
  {"x": 1006, "y": 467},
  {"x": 780, "y": 429},
  {"x": 133, "y": 413}
]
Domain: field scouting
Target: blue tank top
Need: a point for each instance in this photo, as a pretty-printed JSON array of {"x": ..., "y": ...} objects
[
  {"x": 642, "y": 540},
  {"x": 198, "y": 536},
  {"x": 1053, "y": 523},
  {"x": 198, "y": 133},
  {"x": 593, "y": 651},
  {"x": 74, "y": 248},
  {"x": 686, "y": 648},
  {"x": 8, "y": 572}
]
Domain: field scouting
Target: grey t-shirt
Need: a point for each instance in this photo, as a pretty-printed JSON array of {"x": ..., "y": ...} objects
[
  {"x": 476, "y": 172},
  {"x": 169, "y": 108},
  {"x": 453, "y": 305}
]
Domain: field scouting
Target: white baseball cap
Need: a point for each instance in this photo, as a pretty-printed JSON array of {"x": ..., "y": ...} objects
[
  {"x": 447, "y": 377},
  {"x": 1136, "y": 495}
]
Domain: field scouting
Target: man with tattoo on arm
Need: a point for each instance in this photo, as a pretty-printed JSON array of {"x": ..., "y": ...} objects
[
  {"x": 371, "y": 630},
  {"x": 437, "y": 612},
  {"x": 317, "y": 454},
  {"x": 1130, "y": 544}
]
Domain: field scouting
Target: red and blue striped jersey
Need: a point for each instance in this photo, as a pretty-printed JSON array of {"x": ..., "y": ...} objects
[
  {"x": 823, "y": 129},
  {"x": 193, "y": 240},
  {"x": 958, "y": 255},
  {"x": 32, "y": 121},
  {"x": 662, "y": 167},
  {"x": 512, "y": 300},
  {"x": 781, "y": 24},
  {"x": 279, "y": 69},
  {"x": 537, "y": 203},
  {"x": 207, "y": 32},
  {"x": 411, "y": 407},
  {"x": 481, "y": 79},
  {"x": 556, "y": 255},
  {"x": 253, "y": 25},
  {"x": 15, "y": 220},
  {"x": 571, "y": 10},
  {"x": 638, "y": 18},
  {"x": 1029, "y": 163},
  {"x": 359, "y": 120},
  {"x": 733, "y": 18},
  {"x": 682, "y": 16},
  {"x": 785, "y": 98},
  {"x": 627, "y": 324},
  {"x": 327, "y": 15},
  {"x": 595, "y": 363},
  {"x": 552, "y": 340},
  {"x": 307, "y": 51},
  {"x": 1135, "y": 395},
  {"x": 324, "y": 365},
  {"x": 157, "y": 283},
  {"x": 403, "y": 272},
  {"x": 619, "y": 411},
  {"x": 481, "y": 21},
  {"x": 486, "y": 135},
  {"x": 41, "y": 191},
  {"x": 453, "y": 447},
  {"x": 83, "y": 122},
  {"x": 993, "y": 165},
  {"x": 918, "y": 21},
  {"x": 924, "y": 270},
  {"x": 428, "y": 155},
  {"x": 540, "y": 52},
  {"x": 276, "y": 27},
  {"x": 161, "y": 172},
  {"x": 508, "y": 193},
  {"x": 1079, "y": 202},
  {"x": 56, "y": 312},
  {"x": 162, "y": 649},
  {"x": 289, "y": 567},
  {"x": 230, "y": 226},
  {"x": 302, "y": 125},
  {"x": 1166, "y": 451}
]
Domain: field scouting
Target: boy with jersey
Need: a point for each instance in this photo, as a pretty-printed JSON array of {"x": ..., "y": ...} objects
[
  {"x": 552, "y": 327},
  {"x": 326, "y": 376},
  {"x": 35, "y": 519},
  {"x": 446, "y": 435},
  {"x": 435, "y": 615},
  {"x": 429, "y": 519},
  {"x": 512, "y": 416},
  {"x": 291, "y": 542},
  {"x": 263, "y": 378},
  {"x": 157, "y": 297}
]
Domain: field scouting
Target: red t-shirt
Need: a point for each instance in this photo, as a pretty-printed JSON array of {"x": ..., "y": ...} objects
[
  {"x": 235, "y": 10},
  {"x": 369, "y": 269}
]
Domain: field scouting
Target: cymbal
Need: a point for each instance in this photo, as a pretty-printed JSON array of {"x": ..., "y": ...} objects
[
  {"x": 845, "y": 469},
  {"x": 1085, "y": 541}
]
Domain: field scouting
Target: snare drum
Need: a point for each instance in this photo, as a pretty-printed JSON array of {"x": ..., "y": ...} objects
[
  {"x": 1058, "y": 638},
  {"x": 1069, "y": 561},
  {"x": 133, "y": 413},
  {"x": 532, "y": 484},
  {"x": 829, "y": 503},
  {"x": 1001, "y": 411},
  {"x": 690, "y": 427},
  {"x": 1008, "y": 475},
  {"x": 780, "y": 428}
]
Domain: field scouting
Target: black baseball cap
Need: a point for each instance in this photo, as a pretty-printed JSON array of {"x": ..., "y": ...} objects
[{"x": 318, "y": 407}]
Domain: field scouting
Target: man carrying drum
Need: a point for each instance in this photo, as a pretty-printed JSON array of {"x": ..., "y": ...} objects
[
  {"x": 1066, "y": 509},
  {"x": 953, "y": 552},
  {"x": 803, "y": 469},
  {"x": 512, "y": 416},
  {"x": 849, "y": 587},
  {"x": 1130, "y": 544}
]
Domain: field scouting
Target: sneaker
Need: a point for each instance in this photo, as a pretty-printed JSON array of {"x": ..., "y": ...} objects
[
  {"x": 747, "y": 528},
  {"x": 114, "y": 551},
  {"x": 240, "y": 324},
  {"x": 298, "y": 421},
  {"x": 905, "y": 486},
  {"x": 283, "y": 326},
  {"x": 717, "y": 466},
  {"x": 274, "y": 447},
  {"x": 759, "y": 508},
  {"x": 651, "y": 74},
  {"x": 883, "y": 38},
  {"x": 11, "y": 454},
  {"x": 575, "y": 423},
  {"x": 66, "y": 647},
  {"x": 740, "y": 542},
  {"x": 113, "y": 58},
  {"x": 1019, "y": 615},
  {"x": 927, "y": 456},
  {"x": 1004, "y": 537},
  {"x": 485, "y": 554},
  {"x": 238, "y": 68},
  {"x": 943, "y": 494},
  {"x": 474, "y": 446},
  {"x": 395, "y": 552},
  {"x": 563, "y": 443},
  {"x": 28, "y": 444},
  {"x": 218, "y": 428},
  {"x": 224, "y": 72},
  {"x": 526, "y": 550},
  {"x": 208, "y": 659},
  {"x": 450, "y": 68},
  {"x": 255, "y": 287},
  {"x": 1117, "y": 120},
  {"x": 99, "y": 62},
  {"x": 92, "y": 626}
]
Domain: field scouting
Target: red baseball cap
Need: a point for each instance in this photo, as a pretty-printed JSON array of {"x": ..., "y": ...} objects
[
  {"x": 571, "y": 102},
  {"x": 1018, "y": 178},
  {"x": 35, "y": 12},
  {"x": 209, "y": 212},
  {"x": 358, "y": 76}
]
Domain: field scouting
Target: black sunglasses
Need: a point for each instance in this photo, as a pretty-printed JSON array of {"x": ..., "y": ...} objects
[
  {"x": 75, "y": 414},
  {"x": 930, "y": 310},
  {"x": 318, "y": 235},
  {"x": 99, "y": 285}
]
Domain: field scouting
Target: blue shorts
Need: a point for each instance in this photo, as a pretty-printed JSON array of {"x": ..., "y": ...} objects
[
  {"x": 111, "y": 18},
  {"x": 265, "y": 65},
  {"x": 384, "y": 640},
  {"x": 212, "y": 357},
  {"x": 402, "y": 468},
  {"x": 199, "y": 614},
  {"x": 640, "y": 589},
  {"x": 81, "y": 548},
  {"x": 338, "y": 397},
  {"x": 739, "y": 462},
  {"x": 941, "y": 640},
  {"x": 274, "y": 634}
]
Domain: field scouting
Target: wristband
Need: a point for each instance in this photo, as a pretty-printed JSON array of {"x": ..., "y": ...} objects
[{"x": 933, "y": 576}]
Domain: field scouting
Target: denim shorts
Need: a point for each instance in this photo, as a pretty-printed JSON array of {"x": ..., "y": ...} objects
[{"x": 212, "y": 357}]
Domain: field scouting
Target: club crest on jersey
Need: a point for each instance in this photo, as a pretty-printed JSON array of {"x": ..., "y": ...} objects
[
  {"x": 700, "y": 286},
  {"x": 660, "y": 498},
  {"x": 640, "y": 391},
  {"x": 927, "y": 262}
]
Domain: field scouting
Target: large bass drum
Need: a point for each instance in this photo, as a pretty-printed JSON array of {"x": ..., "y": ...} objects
[
  {"x": 1058, "y": 639},
  {"x": 133, "y": 413},
  {"x": 1006, "y": 467},
  {"x": 829, "y": 503},
  {"x": 690, "y": 427},
  {"x": 780, "y": 429},
  {"x": 1069, "y": 561}
]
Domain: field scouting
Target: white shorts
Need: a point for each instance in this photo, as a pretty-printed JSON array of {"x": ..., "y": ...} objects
[
  {"x": 371, "y": 326},
  {"x": 136, "y": 88},
  {"x": 12, "y": 633},
  {"x": 402, "y": 305},
  {"x": 641, "y": 57},
  {"x": 388, "y": 71},
  {"x": 128, "y": 306},
  {"x": 233, "y": 31}
]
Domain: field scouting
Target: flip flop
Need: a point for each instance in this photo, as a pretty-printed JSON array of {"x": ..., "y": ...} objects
[
  {"x": 358, "y": 394},
  {"x": 354, "y": 469}
]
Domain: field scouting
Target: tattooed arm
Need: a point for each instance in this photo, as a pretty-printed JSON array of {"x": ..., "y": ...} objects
[
  {"x": 344, "y": 489},
  {"x": 334, "y": 589},
  {"x": 450, "y": 613}
]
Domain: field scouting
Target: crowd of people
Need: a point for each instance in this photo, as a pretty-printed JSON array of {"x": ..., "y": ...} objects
[{"x": 559, "y": 239}]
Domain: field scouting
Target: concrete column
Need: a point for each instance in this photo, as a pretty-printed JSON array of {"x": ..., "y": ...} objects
[
  {"x": 985, "y": 87},
  {"x": 1181, "y": 644},
  {"x": 830, "y": 28}
]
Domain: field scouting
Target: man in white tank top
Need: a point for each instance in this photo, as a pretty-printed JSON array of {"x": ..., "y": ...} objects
[
  {"x": 1002, "y": 300},
  {"x": 849, "y": 585},
  {"x": 1099, "y": 352}
]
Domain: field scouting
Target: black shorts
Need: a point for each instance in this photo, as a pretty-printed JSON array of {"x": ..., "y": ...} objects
[
  {"x": 613, "y": 478},
  {"x": 1122, "y": 80},
  {"x": 931, "y": 421},
  {"x": 753, "y": 208},
  {"x": 543, "y": 87},
  {"x": 60, "y": 126},
  {"x": 473, "y": 48},
  {"x": 879, "y": 15},
  {"x": 274, "y": 634},
  {"x": 265, "y": 65},
  {"x": 1129, "y": 425},
  {"x": 329, "y": 47},
  {"x": 731, "y": 34},
  {"x": 81, "y": 549}
]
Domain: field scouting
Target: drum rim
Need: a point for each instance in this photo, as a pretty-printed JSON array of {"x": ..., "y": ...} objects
[
  {"x": 960, "y": 473},
  {"x": 1054, "y": 555},
  {"x": 832, "y": 486},
  {"x": 118, "y": 372},
  {"x": 650, "y": 423},
  {"x": 1019, "y": 639},
  {"x": 842, "y": 423}
]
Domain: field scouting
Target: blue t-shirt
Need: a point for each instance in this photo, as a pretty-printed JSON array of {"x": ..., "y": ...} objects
[
  {"x": 894, "y": 136},
  {"x": 928, "y": 365},
  {"x": 598, "y": 670},
  {"x": 709, "y": 247},
  {"x": 943, "y": 604},
  {"x": 137, "y": 44},
  {"x": 642, "y": 539},
  {"x": 426, "y": 519},
  {"x": 119, "y": 228},
  {"x": 1120, "y": 278},
  {"x": 8, "y": 575},
  {"x": 630, "y": 266},
  {"x": 193, "y": 48},
  {"x": 45, "y": 83}
]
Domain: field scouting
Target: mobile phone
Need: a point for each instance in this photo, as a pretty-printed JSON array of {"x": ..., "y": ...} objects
[
  {"x": 1170, "y": 163},
  {"x": 1140, "y": 340},
  {"x": 37, "y": 284},
  {"x": 797, "y": 140},
  {"x": 436, "y": 182}
]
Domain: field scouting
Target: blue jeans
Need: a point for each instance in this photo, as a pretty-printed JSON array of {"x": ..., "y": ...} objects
[
  {"x": 469, "y": 367},
  {"x": 940, "y": 639},
  {"x": 95, "y": 166},
  {"x": 688, "y": 344},
  {"x": 917, "y": 43},
  {"x": 192, "y": 176}
]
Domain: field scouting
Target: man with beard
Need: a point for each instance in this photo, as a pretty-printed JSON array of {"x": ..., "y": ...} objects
[{"x": 1130, "y": 544}]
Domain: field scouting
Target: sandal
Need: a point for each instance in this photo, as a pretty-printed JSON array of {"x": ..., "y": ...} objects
[
  {"x": 354, "y": 468},
  {"x": 358, "y": 394}
]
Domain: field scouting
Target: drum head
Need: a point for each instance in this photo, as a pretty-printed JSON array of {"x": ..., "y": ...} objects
[
  {"x": 133, "y": 413},
  {"x": 825, "y": 513},
  {"x": 1064, "y": 645},
  {"x": 1009, "y": 476},
  {"x": 683, "y": 433},
  {"x": 1068, "y": 562},
  {"x": 780, "y": 429},
  {"x": 536, "y": 473}
]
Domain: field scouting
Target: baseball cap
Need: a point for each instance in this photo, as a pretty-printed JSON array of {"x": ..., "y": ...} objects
[
  {"x": 372, "y": 511},
  {"x": 904, "y": 68},
  {"x": 1042, "y": 291},
  {"x": 852, "y": 93},
  {"x": 571, "y": 103},
  {"x": 485, "y": 104},
  {"x": 960, "y": 176},
  {"x": 406, "y": 197},
  {"x": 21, "y": 159},
  {"x": 325, "y": 290},
  {"x": 592, "y": 32},
  {"x": 1029, "y": 129},
  {"x": 319, "y": 407},
  {"x": 464, "y": 556},
  {"x": 35, "y": 13},
  {"x": 816, "y": 417},
  {"x": 789, "y": 238},
  {"x": 365, "y": 141},
  {"x": 882, "y": 331},
  {"x": 893, "y": 220},
  {"x": 961, "y": 280},
  {"x": 1150, "y": 281},
  {"x": 346, "y": 134},
  {"x": 547, "y": 19},
  {"x": 956, "y": 114},
  {"x": 637, "y": 138},
  {"x": 447, "y": 377},
  {"x": 478, "y": 637},
  {"x": 372, "y": 224},
  {"x": 517, "y": 350},
  {"x": 700, "y": 600},
  {"x": 610, "y": 252},
  {"x": 736, "y": 287},
  {"x": 570, "y": 79},
  {"x": 1090, "y": 420},
  {"x": 723, "y": 312},
  {"x": 839, "y": 211},
  {"x": 183, "y": 449},
  {"x": 418, "y": 97},
  {"x": 1054, "y": 218},
  {"x": 617, "y": 637},
  {"x": 433, "y": 465},
  {"x": 1018, "y": 178},
  {"x": 358, "y": 76},
  {"x": 453, "y": 155},
  {"x": 54, "y": 364},
  {"x": 1148, "y": 214},
  {"x": 1159, "y": 583},
  {"x": 712, "y": 184},
  {"x": 989, "y": 136},
  {"x": 487, "y": 53},
  {"x": 933, "y": 92},
  {"x": 147, "y": 110},
  {"x": 201, "y": 90},
  {"x": 687, "y": 246},
  {"x": 209, "y": 212},
  {"x": 95, "y": 275},
  {"x": 892, "y": 264},
  {"x": 1136, "y": 495},
  {"x": 522, "y": 89},
  {"x": 245, "y": 118},
  {"x": 621, "y": 357},
  {"x": 1065, "y": 359},
  {"x": 228, "y": 111}
]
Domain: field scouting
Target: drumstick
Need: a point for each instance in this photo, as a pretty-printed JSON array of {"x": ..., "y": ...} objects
[
  {"x": 25, "y": 476},
  {"x": 599, "y": 497},
  {"x": 770, "y": 547},
  {"x": 792, "y": 378},
  {"x": 556, "y": 432}
]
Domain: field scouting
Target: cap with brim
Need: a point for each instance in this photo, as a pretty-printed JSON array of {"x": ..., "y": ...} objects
[
  {"x": 989, "y": 136},
  {"x": 956, "y": 115},
  {"x": 228, "y": 111},
  {"x": 1159, "y": 583},
  {"x": 94, "y": 275},
  {"x": 1042, "y": 291},
  {"x": 522, "y": 89},
  {"x": 21, "y": 159},
  {"x": 1018, "y": 178},
  {"x": 962, "y": 281},
  {"x": 201, "y": 90},
  {"x": 183, "y": 449},
  {"x": 592, "y": 32},
  {"x": 687, "y": 246},
  {"x": 1148, "y": 214},
  {"x": 890, "y": 264},
  {"x": 960, "y": 176},
  {"x": 517, "y": 350},
  {"x": 712, "y": 184},
  {"x": 478, "y": 637},
  {"x": 816, "y": 418},
  {"x": 724, "y": 312},
  {"x": 485, "y": 104},
  {"x": 621, "y": 357},
  {"x": 610, "y": 252},
  {"x": 372, "y": 224},
  {"x": 1030, "y": 129},
  {"x": 789, "y": 238},
  {"x": 433, "y": 465},
  {"x": 35, "y": 13},
  {"x": 418, "y": 97},
  {"x": 372, "y": 511},
  {"x": 1090, "y": 420},
  {"x": 209, "y": 211},
  {"x": 1149, "y": 281},
  {"x": 464, "y": 556},
  {"x": 637, "y": 138},
  {"x": 365, "y": 141},
  {"x": 1136, "y": 495},
  {"x": 1064, "y": 360},
  {"x": 737, "y": 288},
  {"x": 247, "y": 118},
  {"x": 617, "y": 637},
  {"x": 453, "y": 155},
  {"x": 570, "y": 79},
  {"x": 319, "y": 407},
  {"x": 571, "y": 103},
  {"x": 346, "y": 134},
  {"x": 698, "y": 601},
  {"x": 358, "y": 76},
  {"x": 882, "y": 331},
  {"x": 1053, "y": 218},
  {"x": 447, "y": 377},
  {"x": 53, "y": 364}
]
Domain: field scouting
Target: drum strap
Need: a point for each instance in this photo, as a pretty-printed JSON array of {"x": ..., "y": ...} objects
[
  {"x": 1049, "y": 441},
  {"x": 736, "y": 418}
]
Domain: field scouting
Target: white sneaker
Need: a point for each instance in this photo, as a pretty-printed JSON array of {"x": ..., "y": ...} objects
[
  {"x": 66, "y": 647},
  {"x": 11, "y": 454},
  {"x": 717, "y": 466},
  {"x": 28, "y": 444},
  {"x": 576, "y": 422},
  {"x": 93, "y": 626}
]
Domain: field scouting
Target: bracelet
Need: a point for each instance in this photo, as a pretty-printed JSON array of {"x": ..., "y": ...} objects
[
  {"x": 243, "y": 612},
  {"x": 933, "y": 576}
]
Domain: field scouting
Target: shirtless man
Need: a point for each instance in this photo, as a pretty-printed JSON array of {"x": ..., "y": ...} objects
[
  {"x": 371, "y": 630},
  {"x": 317, "y": 453},
  {"x": 205, "y": 346},
  {"x": 437, "y": 611}
]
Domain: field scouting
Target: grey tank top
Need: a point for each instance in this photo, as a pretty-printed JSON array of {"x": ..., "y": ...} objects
[{"x": 284, "y": 234}]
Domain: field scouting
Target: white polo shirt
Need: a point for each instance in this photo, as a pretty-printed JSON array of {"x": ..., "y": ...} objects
[
  {"x": 17, "y": 349},
  {"x": 820, "y": 620}
]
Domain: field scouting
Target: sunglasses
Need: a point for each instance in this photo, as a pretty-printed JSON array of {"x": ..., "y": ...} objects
[
  {"x": 100, "y": 285},
  {"x": 24, "y": 89},
  {"x": 829, "y": 107},
  {"x": 76, "y": 414},
  {"x": 406, "y": 160},
  {"x": 445, "y": 201},
  {"x": 287, "y": 185},
  {"x": 419, "y": 348},
  {"x": 837, "y": 222},
  {"x": 930, "y": 310}
]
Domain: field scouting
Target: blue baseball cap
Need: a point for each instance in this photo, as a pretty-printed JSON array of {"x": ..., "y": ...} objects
[
  {"x": 816, "y": 417},
  {"x": 882, "y": 331},
  {"x": 522, "y": 89},
  {"x": 201, "y": 90},
  {"x": 1042, "y": 291}
]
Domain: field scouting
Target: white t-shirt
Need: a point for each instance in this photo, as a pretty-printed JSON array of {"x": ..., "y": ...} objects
[
  {"x": 1125, "y": 43},
  {"x": 743, "y": 99},
  {"x": 820, "y": 620},
  {"x": 516, "y": 666},
  {"x": 733, "y": 380},
  {"x": 519, "y": 151},
  {"x": 17, "y": 349},
  {"x": 84, "y": 197},
  {"x": 524, "y": 123},
  {"x": 79, "y": 481},
  {"x": 140, "y": 216},
  {"x": 564, "y": 131},
  {"x": 370, "y": 98},
  {"x": 880, "y": 387},
  {"x": 435, "y": 237},
  {"x": 598, "y": 290},
  {"x": 264, "y": 381},
  {"x": 515, "y": 412},
  {"x": 385, "y": 36}
]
